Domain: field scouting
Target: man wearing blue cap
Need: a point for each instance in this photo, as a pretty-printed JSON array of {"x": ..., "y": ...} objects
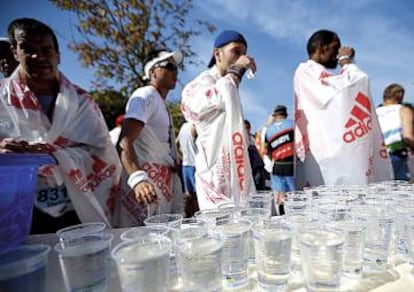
[{"x": 211, "y": 101}]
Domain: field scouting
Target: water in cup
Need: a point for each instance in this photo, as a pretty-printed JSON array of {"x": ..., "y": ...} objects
[
  {"x": 85, "y": 262},
  {"x": 322, "y": 257},
  {"x": 272, "y": 242},
  {"x": 236, "y": 232},
  {"x": 143, "y": 265},
  {"x": 354, "y": 233},
  {"x": 199, "y": 258}
]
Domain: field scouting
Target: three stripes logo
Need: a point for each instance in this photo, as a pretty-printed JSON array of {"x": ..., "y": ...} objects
[{"x": 359, "y": 124}]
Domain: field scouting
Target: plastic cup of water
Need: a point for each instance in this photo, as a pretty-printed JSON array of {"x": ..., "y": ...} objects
[
  {"x": 256, "y": 215},
  {"x": 272, "y": 242},
  {"x": 143, "y": 265},
  {"x": 24, "y": 268},
  {"x": 85, "y": 262},
  {"x": 297, "y": 203},
  {"x": 261, "y": 199},
  {"x": 236, "y": 232},
  {"x": 199, "y": 257},
  {"x": 377, "y": 237},
  {"x": 213, "y": 217},
  {"x": 322, "y": 257},
  {"x": 354, "y": 232}
]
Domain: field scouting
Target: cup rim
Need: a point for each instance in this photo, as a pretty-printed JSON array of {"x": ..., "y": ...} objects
[
  {"x": 60, "y": 247},
  {"x": 162, "y": 239},
  {"x": 71, "y": 230}
]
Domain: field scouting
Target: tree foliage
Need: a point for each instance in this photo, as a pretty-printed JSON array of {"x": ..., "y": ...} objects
[
  {"x": 117, "y": 35},
  {"x": 112, "y": 104},
  {"x": 176, "y": 115}
]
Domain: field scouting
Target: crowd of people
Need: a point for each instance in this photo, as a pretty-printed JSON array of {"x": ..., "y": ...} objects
[{"x": 337, "y": 137}]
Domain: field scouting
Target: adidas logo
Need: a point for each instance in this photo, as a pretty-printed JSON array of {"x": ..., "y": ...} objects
[{"x": 360, "y": 123}]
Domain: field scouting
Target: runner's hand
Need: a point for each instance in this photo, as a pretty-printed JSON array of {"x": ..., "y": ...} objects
[
  {"x": 8, "y": 145},
  {"x": 145, "y": 193},
  {"x": 247, "y": 62}
]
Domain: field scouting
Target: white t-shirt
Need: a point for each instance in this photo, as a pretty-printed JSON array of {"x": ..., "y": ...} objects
[
  {"x": 114, "y": 134},
  {"x": 147, "y": 105},
  {"x": 187, "y": 145}
]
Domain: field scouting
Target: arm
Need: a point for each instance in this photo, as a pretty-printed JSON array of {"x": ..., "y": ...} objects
[
  {"x": 131, "y": 128},
  {"x": 193, "y": 131},
  {"x": 407, "y": 120}
]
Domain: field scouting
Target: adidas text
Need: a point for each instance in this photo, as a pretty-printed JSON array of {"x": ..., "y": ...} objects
[{"x": 358, "y": 131}]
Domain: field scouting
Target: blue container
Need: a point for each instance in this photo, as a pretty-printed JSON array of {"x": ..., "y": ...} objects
[{"x": 18, "y": 178}]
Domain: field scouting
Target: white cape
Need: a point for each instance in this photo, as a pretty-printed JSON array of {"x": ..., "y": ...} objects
[
  {"x": 223, "y": 171},
  {"x": 337, "y": 136},
  {"x": 88, "y": 164}
]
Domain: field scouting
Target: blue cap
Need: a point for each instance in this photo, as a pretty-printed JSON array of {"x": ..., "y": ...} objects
[{"x": 224, "y": 38}]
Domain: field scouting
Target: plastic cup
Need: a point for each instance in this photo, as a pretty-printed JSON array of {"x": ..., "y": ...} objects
[
  {"x": 80, "y": 230},
  {"x": 297, "y": 203},
  {"x": 322, "y": 257},
  {"x": 377, "y": 237},
  {"x": 261, "y": 199},
  {"x": 143, "y": 265},
  {"x": 236, "y": 232},
  {"x": 85, "y": 262},
  {"x": 169, "y": 220},
  {"x": 199, "y": 257},
  {"x": 272, "y": 242},
  {"x": 354, "y": 232},
  {"x": 23, "y": 268},
  {"x": 256, "y": 215},
  {"x": 143, "y": 232},
  {"x": 213, "y": 217}
]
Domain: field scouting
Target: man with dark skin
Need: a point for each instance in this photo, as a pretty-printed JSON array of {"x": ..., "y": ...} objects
[
  {"x": 7, "y": 61},
  {"x": 337, "y": 135}
]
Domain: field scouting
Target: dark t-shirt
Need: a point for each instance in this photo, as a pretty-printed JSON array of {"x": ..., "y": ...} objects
[{"x": 280, "y": 144}]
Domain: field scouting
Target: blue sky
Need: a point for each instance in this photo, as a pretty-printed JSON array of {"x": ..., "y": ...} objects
[{"x": 277, "y": 32}]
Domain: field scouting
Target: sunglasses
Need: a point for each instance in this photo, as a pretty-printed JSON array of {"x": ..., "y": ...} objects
[{"x": 166, "y": 65}]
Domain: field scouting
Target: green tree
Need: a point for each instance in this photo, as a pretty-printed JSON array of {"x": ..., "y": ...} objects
[
  {"x": 116, "y": 36},
  {"x": 176, "y": 115},
  {"x": 112, "y": 104}
]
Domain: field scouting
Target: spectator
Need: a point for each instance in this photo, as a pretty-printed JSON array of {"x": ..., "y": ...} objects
[
  {"x": 211, "y": 101},
  {"x": 396, "y": 122},
  {"x": 48, "y": 114},
  {"x": 186, "y": 142},
  {"x": 256, "y": 162},
  {"x": 279, "y": 147},
  {"x": 337, "y": 135},
  {"x": 7, "y": 61}
]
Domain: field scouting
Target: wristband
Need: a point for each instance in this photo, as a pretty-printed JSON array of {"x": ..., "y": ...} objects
[
  {"x": 236, "y": 70},
  {"x": 137, "y": 177}
]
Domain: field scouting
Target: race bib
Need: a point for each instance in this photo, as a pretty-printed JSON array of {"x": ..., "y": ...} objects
[{"x": 51, "y": 197}]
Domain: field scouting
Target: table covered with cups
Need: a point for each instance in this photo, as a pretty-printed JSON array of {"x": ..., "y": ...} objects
[{"x": 331, "y": 239}]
